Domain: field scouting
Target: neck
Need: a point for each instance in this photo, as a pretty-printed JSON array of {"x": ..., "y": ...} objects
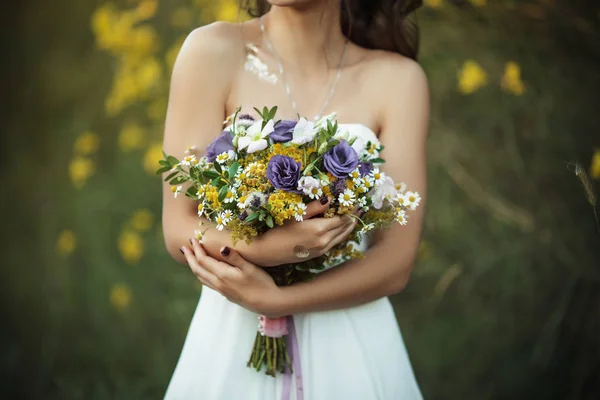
[{"x": 307, "y": 36}]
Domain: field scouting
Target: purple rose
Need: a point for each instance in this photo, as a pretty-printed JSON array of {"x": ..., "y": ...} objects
[
  {"x": 284, "y": 131},
  {"x": 283, "y": 172},
  {"x": 365, "y": 168},
  {"x": 341, "y": 160},
  {"x": 223, "y": 143}
]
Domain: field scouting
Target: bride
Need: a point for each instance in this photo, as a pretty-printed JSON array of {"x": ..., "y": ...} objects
[{"x": 308, "y": 57}]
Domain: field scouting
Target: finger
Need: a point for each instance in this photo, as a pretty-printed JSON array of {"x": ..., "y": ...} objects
[
  {"x": 235, "y": 259},
  {"x": 203, "y": 275},
  {"x": 338, "y": 229},
  {"x": 197, "y": 247},
  {"x": 341, "y": 236},
  {"x": 316, "y": 207}
]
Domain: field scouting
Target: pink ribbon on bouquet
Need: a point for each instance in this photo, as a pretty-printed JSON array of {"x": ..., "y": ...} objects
[{"x": 278, "y": 327}]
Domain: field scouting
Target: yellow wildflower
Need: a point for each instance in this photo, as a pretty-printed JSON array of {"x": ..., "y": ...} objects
[
  {"x": 87, "y": 143},
  {"x": 511, "y": 81},
  {"x": 151, "y": 158},
  {"x": 433, "y": 3},
  {"x": 146, "y": 9},
  {"x": 131, "y": 246},
  {"x": 65, "y": 244},
  {"x": 120, "y": 296},
  {"x": 131, "y": 137},
  {"x": 80, "y": 169},
  {"x": 157, "y": 110},
  {"x": 471, "y": 77},
  {"x": 142, "y": 220},
  {"x": 595, "y": 168}
]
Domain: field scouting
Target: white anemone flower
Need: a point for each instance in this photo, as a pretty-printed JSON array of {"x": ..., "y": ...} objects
[
  {"x": 304, "y": 131},
  {"x": 256, "y": 136}
]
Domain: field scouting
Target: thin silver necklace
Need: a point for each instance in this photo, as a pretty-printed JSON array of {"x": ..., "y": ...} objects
[{"x": 286, "y": 86}]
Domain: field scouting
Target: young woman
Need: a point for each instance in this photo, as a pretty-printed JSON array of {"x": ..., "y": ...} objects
[{"x": 308, "y": 57}]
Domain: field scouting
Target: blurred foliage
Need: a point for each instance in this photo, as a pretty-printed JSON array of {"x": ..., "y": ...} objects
[{"x": 504, "y": 301}]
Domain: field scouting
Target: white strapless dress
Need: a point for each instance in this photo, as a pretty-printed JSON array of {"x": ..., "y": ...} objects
[{"x": 351, "y": 354}]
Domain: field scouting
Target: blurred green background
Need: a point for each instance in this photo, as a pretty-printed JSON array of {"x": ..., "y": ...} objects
[{"x": 505, "y": 298}]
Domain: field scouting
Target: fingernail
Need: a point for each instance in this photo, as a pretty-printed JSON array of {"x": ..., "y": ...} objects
[
  {"x": 324, "y": 200},
  {"x": 181, "y": 250},
  {"x": 225, "y": 251},
  {"x": 191, "y": 242}
]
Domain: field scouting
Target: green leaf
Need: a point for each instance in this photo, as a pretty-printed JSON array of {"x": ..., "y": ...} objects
[
  {"x": 172, "y": 160},
  {"x": 210, "y": 174},
  {"x": 251, "y": 218},
  {"x": 223, "y": 192},
  {"x": 163, "y": 170},
  {"x": 217, "y": 167},
  {"x": 377, "y": 161},
  {"x": 171, "y": 176},
  {"x": 164, "y": 163},
  {"x": 233, "y": 169},
  {"x": 178, "y": 180},
  {"x": 215, "y": 182},
  {"x": 269, "y": 221},
  {"x": 332, "y": 143},
  {"x": 261, "y": 217}
]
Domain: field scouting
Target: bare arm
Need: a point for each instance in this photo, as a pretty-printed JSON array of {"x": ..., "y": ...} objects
[{"x": 388, "y": 263}]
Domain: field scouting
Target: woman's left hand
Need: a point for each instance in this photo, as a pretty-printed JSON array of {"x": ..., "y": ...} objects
[{"x": 240, "y": 281}]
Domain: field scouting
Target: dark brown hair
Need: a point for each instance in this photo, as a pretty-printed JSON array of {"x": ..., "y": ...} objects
[{"x": 373, "y": 24}]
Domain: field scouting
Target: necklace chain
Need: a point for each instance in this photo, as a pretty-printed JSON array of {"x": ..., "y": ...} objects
[{"x": 286, "y": 86}]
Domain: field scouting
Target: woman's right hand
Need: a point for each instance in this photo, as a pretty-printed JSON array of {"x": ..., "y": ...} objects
[{"x": 317, "y": 235}]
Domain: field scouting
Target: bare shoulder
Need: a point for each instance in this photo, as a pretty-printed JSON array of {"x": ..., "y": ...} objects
[
  {"x": 215, "y": 48},
  {"x": 397, "y": 73}
]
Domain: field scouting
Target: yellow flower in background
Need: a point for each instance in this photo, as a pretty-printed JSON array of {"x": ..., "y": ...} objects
[
  {"x": 120, "y": 296},
  {"x": 229, "y": 11},
  {"x": 478, "y": 3},
  {"x": 595, "y": 168},
  {"x": 146, "y": 9},
  {"x": 433, "y": 3},
  {"x": 86, "y": 144},
  {"x": 131, "y": 137},
  {"x": 142, "y": 220},
  {"x": 80, "y": 170},
  {"x": 471, "y": 77},
  {"x": 181, "y": 18},
  {"x": 424, "y": 250},
  {"x": 151, "y": 158},
  {"x": 66, "y": 242},
  {"x": 131, "y": 246},
  {"x": 511, "y": 81}
]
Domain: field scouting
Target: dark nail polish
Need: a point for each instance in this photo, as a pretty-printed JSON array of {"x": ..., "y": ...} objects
[
  {"x": 225, "y": 251},
  {"x": 324, "y": 200},
  {"x": 191, "y": 242},
  {"x": 181, "y": 250}
]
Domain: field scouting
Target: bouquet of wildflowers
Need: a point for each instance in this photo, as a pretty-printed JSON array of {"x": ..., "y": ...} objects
[{"x": 259, "y": 173}]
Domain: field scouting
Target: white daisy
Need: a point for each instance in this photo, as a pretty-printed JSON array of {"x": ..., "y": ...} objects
[
  {"x": 310, "y": 187},
  {"x": 190, "y": 149},
  {"x": 201, "y": 209},
  {"x": 241, "y": 203},
  {"x": 355, "y": 175},
  {"x": 256, "y": 136},
  {"x": 304, "y": 131},
  {"x": 188, "y": 161},
  {"x": 401, "y": 217},
  {"x": 300, "y": 211},
  {"x": 227, "y": 215},
  {"x": 226, "y": 156},
  {"x": 367, "y": 228},
  {"x": 176, "y": 190},
  {"x": 200, "y": 235},
  {"x": 401, "y": 187},
  {"x": 412, "y": 200},
  {"x": 362, "y": 202},
  {"x": 231, "y": 196},
  {"x": 371, "y": 149},
  {"x": 346, "y": 198},
  {"x": 378, "y": 176},
  {"x": 221, "y": 221}
]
